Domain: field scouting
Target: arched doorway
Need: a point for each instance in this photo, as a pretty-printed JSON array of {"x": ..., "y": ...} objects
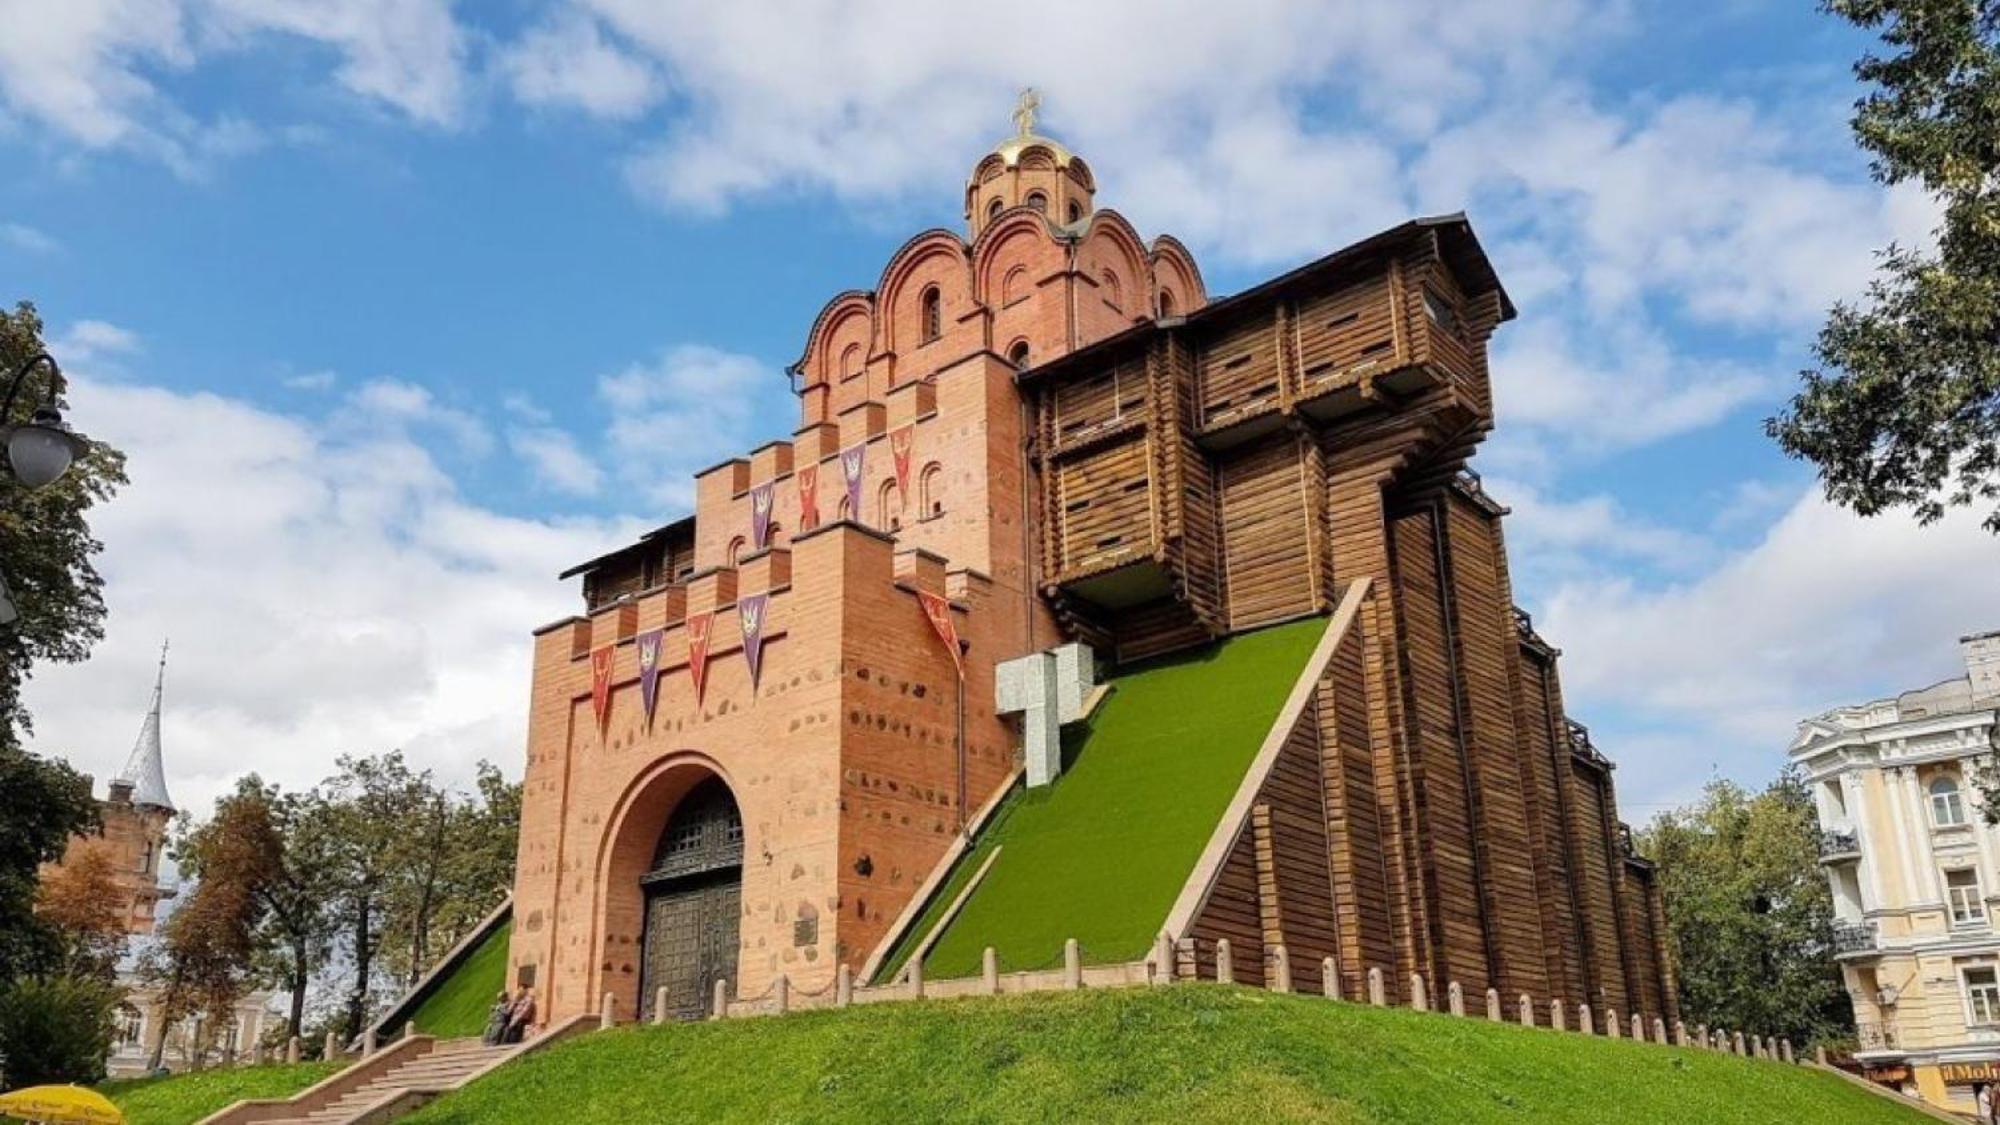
[{"x": 694, "y": 902}]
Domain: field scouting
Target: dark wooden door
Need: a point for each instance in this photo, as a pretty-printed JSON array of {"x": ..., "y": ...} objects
[{"x": 694, "y": 904}]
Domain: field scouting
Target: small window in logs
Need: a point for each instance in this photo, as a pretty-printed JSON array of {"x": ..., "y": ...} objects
[{"x": 1440, "y": 310}]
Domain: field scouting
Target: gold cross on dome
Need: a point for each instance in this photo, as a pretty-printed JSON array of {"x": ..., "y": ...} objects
[{"x": 1024, "y": 110}]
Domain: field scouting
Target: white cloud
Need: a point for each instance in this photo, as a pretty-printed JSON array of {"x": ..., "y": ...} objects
[
  {"x": 327, "y": 591},
  {"x": 570, "y": 63},
  {"x": 398, "y": 404},
  {"x": 1550, "y": 534},
  {"x": 691, "y": 408},
  {"x": 1825, "y": 609},
  {"x": 409, "y": 54},
  {"x": 556, "y": 460},
  {"x": 312, "y": 381},
  {"x": 24, "y": 237},
  {"x": 93, "y": 339}
]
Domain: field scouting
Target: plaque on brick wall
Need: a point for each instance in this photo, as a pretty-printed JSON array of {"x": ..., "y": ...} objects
[{"x": 805, "y": 932}]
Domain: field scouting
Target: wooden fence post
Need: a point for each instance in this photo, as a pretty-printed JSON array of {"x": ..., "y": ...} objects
[
  {"x": 1584, "y": 1021},
  {"x": 607, "y": 1011},
  {"x": 1454, "y": 998},
  {"x": 1163, "y": 959},
  {"x": 1329, "y": 978},
  {"x": 1785, "y": 1051},
  {"x": 1281, "y": 970},
  {"x": 1659, "y": 1030},
  {"x": 660, "y": 1006},
  {"x": 989, "y": 970},
  {"x": 1072, "y": 964},
  {"x": 1611, "y": 1022},
  {"x": 1493, "y": 1005},
  {"x": 1528, "y": 1010},
  {"x": 721, "y": 999},
  {"x": 292, "y": 1047},
  {"x": 1225, "y": 973},
  {"x": 784, "y": 988},
  {"x": 1736, "y": 1041},
  {"x": 332, "y": 1046},
  {"x": 1638, "y": 1028},
  {"x": 1556, "y": 1015},
  {"x": 1418, "y": 999},
  {"x": 368, "y": 1043},
  {"x": 1377, "y": 994},
  {"x": 843, "y": 987},
  {"x": 1819, "y": 1053},
  {"x": 916, "y": 978}
]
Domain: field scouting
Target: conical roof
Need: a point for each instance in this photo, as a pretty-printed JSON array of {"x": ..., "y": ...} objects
[{"x": 144, "y": 769}]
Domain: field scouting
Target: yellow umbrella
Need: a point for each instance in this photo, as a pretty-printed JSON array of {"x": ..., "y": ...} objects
[{"x": 60, "y": 1104}]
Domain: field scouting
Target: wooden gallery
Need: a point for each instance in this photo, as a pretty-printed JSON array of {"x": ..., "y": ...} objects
[{"x": 1081, "y": 605}]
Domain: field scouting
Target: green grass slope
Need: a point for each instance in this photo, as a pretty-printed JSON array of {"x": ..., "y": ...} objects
[
  {"x": 1100, "y": 855},
  {"x": 1189, "y": 1053},
  {"x": 459, "y": 1006},
  {"x": 183, "y": 1098}
]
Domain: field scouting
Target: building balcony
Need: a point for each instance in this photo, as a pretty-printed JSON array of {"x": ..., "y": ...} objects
[
  {"x": 1839, "y": 847},
  {"x": 1875, "y": 1036},
  {"x": 1855, "y": 939}
]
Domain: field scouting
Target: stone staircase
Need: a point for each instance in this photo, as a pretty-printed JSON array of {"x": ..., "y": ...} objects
[{"x": 394, "y": 1081}]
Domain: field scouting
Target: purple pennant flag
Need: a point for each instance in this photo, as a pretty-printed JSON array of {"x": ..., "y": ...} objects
[
  {"x": 850, "y": 468},
  {"x": 760, "y": 515},
  {"x": 649, "y": 670},
  {"x": 750, "y": 610}
]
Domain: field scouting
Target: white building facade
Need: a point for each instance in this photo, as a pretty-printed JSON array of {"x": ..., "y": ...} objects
[{"x": 1915, "y": 871}]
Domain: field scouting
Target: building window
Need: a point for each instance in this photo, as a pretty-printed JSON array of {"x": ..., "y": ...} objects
[
  {"x": 1982, "y": 993},
  {"x": 1440, "y": 310},
  {"x": 735, "y": 550},
  {"x": 1018, "y": 355},
  {"x": 1947, "y": 803},
  {"x": 1114, "y": 295},
  {"x": 994, "y": 207},
  {"x": 850, "y": 361},
  {"x": 890, "y": 507},
  {"x": 1038, "y": 201},
  {"x": 931, "y": 309},
  {"x": 1968, "y": 905},
  {"x": 1166, "y": 303},
  {"x": 131, "y": 1026},
  {"x": 928, "y": 486},
  {"x": 1014, "y": 286},
  {"x": 1075, "y": 210}
]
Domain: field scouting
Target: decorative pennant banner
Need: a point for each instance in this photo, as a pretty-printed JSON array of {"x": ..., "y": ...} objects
[
  {"x": 851, "y": 460},
  {"x": 760, "y": 516},
  {"x": 750, "y": 610},
  {"x": 938, "y": 609},
  {"x": 901, "y": 442},
  {"x": 600, "y": 685},
  {"x": 808, "y": 496},
  {"x": 650, "y": 644},
  {"x": 697, "y": 630}
]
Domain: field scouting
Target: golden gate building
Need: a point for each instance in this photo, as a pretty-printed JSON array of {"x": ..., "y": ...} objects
[{"x": 752, "y": 752}]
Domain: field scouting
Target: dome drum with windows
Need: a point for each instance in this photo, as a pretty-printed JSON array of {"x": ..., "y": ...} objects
[{"x": 1029, "y": 170}]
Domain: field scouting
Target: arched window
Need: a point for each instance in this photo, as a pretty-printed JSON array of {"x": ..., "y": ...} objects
[
  {"x": 994, "y": 207},
  {"x": 735, "y": 550},
  {"x": 850, "y": 361},
  {"x": 1075, "y": 210},
  {"x": 930, "y": 487},
  {"x": 1947, "y": 803},
  {"x": 1038, "y": 201},
  {"x": 1112, "y": 292},
  {"x": 1166, "y": 302},
  {"x": 146, "y": 863},
  {"x": 130, "y": 1025},
  {"x": 889, "y": 508},
  {"x": 1018, "y": 355},
  {"x": 1014, "y": 286},
  {"x": 931, "y": 309},
  {"x": 774, "y": 535}
]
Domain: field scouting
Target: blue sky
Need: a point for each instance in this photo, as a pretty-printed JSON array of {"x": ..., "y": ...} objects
[{"x": 401, "y": 305}]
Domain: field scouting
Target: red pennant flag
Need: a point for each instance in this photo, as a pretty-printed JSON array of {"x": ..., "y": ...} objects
[
  {"x": 600, "y": 685},
  {"x": 901, "y": 443},
  {"x": 939, "y": 611},
  {"x": 808, "y": 496},
  {"x": 851, "y": 461},
  {"x": 697, "y": 635},
  {"x": 760, "y": 515},
  {"x": 750, "y": 611}
]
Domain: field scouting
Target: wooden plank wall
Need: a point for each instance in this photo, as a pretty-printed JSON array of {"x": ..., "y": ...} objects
[
  {"x": 1196, "y": 499},
  {"x": 1345, "y": 334},
  {"x": 1232, "y": 911},
  {"x": 1607, "y": 952},
  {"x": 1640, "y": 942},
  {"x": 1485, "y": 650},
  {"x": 1359, "y": 863},
  {"x": 1238, "y": 371},
  {"x": 1268, "y": 557},
  {"x": 1104, "y": 506},
  {"x": 1562, "y": 937}
]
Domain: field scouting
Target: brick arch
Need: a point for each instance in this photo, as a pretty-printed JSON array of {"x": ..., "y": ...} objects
[
  {"x": 1174, "y": 269},
  {"x": 818, "y": 363},
  {"x": 1111, "y": 236},
  {"x": 1006, "y": 240},
  {"x": 625, "y": 851},
  {"x": 955, "y": 288}
]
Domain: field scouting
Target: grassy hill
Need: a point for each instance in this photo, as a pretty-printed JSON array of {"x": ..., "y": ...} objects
[
  {"x": 459, "y": 1006},
  {"x": 184, "y": 1098},
  {"x": 1187, "y": 1053},
  {"x": 1100, "y": 855}
]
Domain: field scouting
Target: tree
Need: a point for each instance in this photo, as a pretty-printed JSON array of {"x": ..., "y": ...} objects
[
  {"x": 1749, "y": 911},
  {"x": 56, "y": 1029},
  {"x": 43, "y": 802},
  {"x": 46, "y": 542},
  {"x": 1906, "y": 411},
  {"x": 374, "y": 805},
  {"x": 79, "y": 902},
  {"x": 456, "y": 864}
]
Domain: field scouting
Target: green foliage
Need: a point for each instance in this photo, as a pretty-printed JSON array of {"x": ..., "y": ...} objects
[
  {"x": 1189, "y": 1053},
  {"x": 459, "y": 1006},
  {"x": 1100, "y": 855},
  {"x": 44, "y": 539},
  {"x": 43, "y": 802},
  {"x": 1750, "y": 913},
  {"x": 183, "y": 1098},
  {"x": 1907, "y": 410},
  {"x": 56, "y": 1029}
]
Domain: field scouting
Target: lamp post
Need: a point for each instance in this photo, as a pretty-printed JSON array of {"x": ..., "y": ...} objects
[{"x": 40, "y": 450}]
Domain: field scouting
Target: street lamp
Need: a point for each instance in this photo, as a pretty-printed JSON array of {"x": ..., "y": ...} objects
[{"x": 42, "y": 449}]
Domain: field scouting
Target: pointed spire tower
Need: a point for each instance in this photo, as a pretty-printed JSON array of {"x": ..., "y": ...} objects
[{"x": 144, "y": 769}]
